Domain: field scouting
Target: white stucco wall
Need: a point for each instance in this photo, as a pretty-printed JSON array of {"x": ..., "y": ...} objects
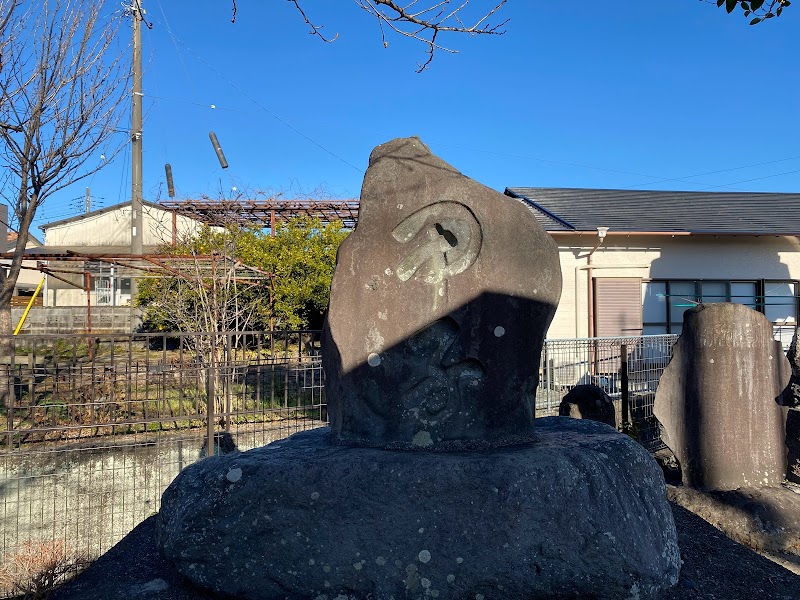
[
  {"x": 664, "y": 257},
  {"x": 113, "y": 228}
]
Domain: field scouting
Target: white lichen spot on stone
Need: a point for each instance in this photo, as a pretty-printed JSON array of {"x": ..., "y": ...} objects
[
  {"x": 357, "y": 566},
  {"x": 425, "y": 582},
  {"x": 451, "y": 578},
  {"x": 711, "y": 361},
  {"x": 434, "y": 593},
  {"x": 422, "y": 439},
  {"x": 389, "y": 271},
  {"x": 478, "y": 596},
  {"x": 234, "y": 475},
  {"x": 634, "y": 591},
  {"x": 383, "y": 316},
  {"x": 315, "y": 495},
  {"x": 424, "y": 556},
  {"x": 311, "y": 562},
  {"x": 459, "y": 560},
  {"x": 499, "y": 331},
  {"x": 421, "y": 530},
  {"x": 154, "y": 586},
  {"x": 380, "y": 561},
  {"x": 226, "y": 549},
  {"x": 399, "y": 207},
  {"x": 373, "y": 360},
  {"x": 327, "y": 568}
]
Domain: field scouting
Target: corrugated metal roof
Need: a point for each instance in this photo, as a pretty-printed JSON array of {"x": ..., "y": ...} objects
[{"x": 578, "y": 209}]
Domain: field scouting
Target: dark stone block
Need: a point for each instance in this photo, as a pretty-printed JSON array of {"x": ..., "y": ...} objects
[
  {"x": 719, "y": 398},
  {"x": 588, "y": 402},
  {"x": 304, "y": 518}
]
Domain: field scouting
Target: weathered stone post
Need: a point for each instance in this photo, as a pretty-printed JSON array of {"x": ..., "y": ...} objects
[{"x": 719, "y": 399}]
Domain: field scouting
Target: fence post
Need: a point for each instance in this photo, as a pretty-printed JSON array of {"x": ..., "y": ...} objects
[
  {"x": 624, "y": 383},
  {"x": 210, "y": 398},
  {"x": 546, "y": 363},
  {"x": 228, "y": 381}
]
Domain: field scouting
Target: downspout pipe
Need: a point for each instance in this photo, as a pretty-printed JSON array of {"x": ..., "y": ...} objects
[{"x": 601, "y": 236}]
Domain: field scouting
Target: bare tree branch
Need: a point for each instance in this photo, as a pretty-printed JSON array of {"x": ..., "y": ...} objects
[
  {"x": 315, "y": 29},
  {"x": 427, "y": 23},
  {"x": 423, "y": 22},
  {"x": 62, "y": 87}
]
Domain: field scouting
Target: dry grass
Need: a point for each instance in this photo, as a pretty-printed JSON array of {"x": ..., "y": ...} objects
[{"x": 37, "y": 568}]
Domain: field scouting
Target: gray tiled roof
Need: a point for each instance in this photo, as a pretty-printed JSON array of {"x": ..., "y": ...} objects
[{"x": 576, "y": 209}]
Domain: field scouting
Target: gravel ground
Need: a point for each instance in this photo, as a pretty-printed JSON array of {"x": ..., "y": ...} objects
[{"x": 714, "y": 568}]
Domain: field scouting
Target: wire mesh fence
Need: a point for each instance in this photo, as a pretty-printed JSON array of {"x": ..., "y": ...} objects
[
  {"x": 599, "y": 361},
  {"x": 94, "y": 428}
]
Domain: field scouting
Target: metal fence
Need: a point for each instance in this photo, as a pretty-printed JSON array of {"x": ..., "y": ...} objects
[
  {"x": 94, "y": 428},
  {"x": 625, "y": 368}
]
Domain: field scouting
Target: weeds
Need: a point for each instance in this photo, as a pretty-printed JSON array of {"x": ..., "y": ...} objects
[{"x": 37, "y": 568}]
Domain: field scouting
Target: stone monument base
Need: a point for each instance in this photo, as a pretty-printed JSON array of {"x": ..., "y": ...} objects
[{"x": 580, "y": 511}]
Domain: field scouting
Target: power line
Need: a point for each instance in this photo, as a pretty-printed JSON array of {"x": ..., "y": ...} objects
[{"x": 266, "y": 110}]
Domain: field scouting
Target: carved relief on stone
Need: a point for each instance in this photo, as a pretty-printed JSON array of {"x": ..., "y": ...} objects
[{"x": 444, "y": 240}]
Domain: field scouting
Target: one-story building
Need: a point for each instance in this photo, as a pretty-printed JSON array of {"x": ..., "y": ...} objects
[
  {"x": 105, "y": 231},
  {"x": 634, "y": 261}
]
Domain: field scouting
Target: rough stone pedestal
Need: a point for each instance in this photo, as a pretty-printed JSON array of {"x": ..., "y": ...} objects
[{"x": 303, "y": 518}]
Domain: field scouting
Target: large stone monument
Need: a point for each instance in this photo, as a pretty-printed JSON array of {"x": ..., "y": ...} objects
[
  {"x": 719, "y": 399},
  {"x": 439, "y": 308},
  {"x": 431, "y": 481}
]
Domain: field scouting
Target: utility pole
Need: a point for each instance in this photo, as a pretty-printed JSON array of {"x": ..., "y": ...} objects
[
  {"x": 136, "y": 131},
  {"x": 137, "y": 229},
  {"x": 88, "y": 202}
]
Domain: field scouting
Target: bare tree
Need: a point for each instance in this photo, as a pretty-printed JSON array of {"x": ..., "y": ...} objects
[
  {"x": 420, "y": 20},
  {"x": 62, "y": 86}
]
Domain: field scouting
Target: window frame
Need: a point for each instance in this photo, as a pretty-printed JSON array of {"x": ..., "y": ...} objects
[{"x": 760, "y": 286}]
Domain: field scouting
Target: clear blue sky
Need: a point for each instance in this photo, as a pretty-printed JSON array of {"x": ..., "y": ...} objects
[{"x": 580, "y": 94}]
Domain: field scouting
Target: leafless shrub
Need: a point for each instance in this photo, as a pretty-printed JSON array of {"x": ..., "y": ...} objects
[{"x": 37, "y": 568}]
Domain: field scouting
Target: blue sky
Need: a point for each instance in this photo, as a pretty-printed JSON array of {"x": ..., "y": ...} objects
[{"x": 583, "y": 94}]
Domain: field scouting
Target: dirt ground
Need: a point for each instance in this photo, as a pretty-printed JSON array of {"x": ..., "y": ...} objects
[{"x": 714, "y": 568}]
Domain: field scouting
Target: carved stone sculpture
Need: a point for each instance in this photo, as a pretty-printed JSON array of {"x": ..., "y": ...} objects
[
  {"x": 454, "y": 286},
  {"x": 430, "y": 482}
]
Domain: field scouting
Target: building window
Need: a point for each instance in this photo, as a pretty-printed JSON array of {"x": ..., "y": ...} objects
[{"x": 665, "y": 301}]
